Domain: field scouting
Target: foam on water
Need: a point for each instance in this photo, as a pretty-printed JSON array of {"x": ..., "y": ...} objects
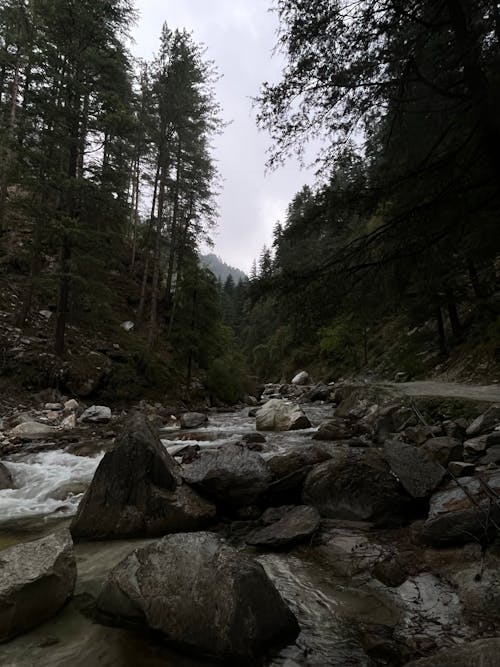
[{"x": 39, "y": 478}]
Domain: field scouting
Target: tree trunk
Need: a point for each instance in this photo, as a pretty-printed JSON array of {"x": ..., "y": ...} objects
[
  {"x": 63, "y": 298},
  {"x": 477, "y": 286},
  {"x": 145, "y": 275},
  {"x": 443, "y": 349},
  {"x": 8, "y": 154},
  {"x": 456, "y": 327}
]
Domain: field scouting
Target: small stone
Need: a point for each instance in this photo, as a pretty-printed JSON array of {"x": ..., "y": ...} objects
[
  {"x": 460, "y": 469},
  {"x": 96, "y": 414},
  {"x": 71, "y": 406}
]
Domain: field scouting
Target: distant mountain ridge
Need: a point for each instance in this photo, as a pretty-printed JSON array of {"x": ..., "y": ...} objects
[{"x": 221, "y": 270}]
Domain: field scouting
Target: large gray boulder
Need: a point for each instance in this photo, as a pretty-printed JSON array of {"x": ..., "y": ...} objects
[
  {"x": 280, "y": 415},
  {"x": 356, "y": 485},
  {"x": 231, "y": 475},
  {"x": 193, "y": 419},
  {"x": 485, "y": 422},
  {"x": 443, "y": 449},
  {"x": 32, "y": 431},
  {"x": 137, "y": 491},
  {"x": 202, "y": 595},
  {"x": 36, "y": 580},
  {"x": 96, "y": 414},
  {"x": 460, "y": 514},
  {"x": 419, "y": 474},
  {"x": 295, "y": 526}
]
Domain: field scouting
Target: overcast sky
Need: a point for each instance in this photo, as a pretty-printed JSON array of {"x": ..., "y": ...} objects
[{"x": 239, "y": 36}]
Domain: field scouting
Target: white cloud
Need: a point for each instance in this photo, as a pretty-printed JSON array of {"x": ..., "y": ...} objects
[{"x": 239, "y": 35}]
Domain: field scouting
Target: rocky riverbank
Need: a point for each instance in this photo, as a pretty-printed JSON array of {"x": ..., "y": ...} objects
[{"x": 373, "y": 521}]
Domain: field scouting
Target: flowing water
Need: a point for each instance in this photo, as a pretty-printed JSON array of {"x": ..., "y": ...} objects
[{"x": 49, "y": 487}]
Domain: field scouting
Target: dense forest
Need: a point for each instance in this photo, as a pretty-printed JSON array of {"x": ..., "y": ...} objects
[
  {"x": 395, "y": 253},
  {"x": 108, "y": 190}
]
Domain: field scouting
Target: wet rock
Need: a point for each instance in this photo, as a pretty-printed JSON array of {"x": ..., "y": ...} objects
[
  {"x": 6, "y": 481},
  {"x": 289, "y": 471},
  {"x": 69, "y": 422},
  {"x": 485, "y": 422},
  {"x": 96, "y": 414},
  {"x": 321, "y": 392},
  {"x": 280, "y": 415},
  {"x": 474, "y": 447},
  {"x": 136, "y": 492},
  {"x": 231, "y": 475},
  {"x": 455, "y": 518},
  {"x": 350, "y": 553},
  {"x": 71, "y": 406},
  {"x": 295, "y": 526},
  {"x": 32, "y": 431},
  {"x": 53, "y": 407},
  {"x": 274, "y": 514},
  {"x": 479, "y": 653},
  {"x": 493, "y": 439},
  {"x": 201, "y": 595},
  {"x": 390, "y": 572},
  {"x": 356, "y": 485},
  {"x": 443, "y": 449},
  {"x": 492, "y": 455},
  {"x": 67, "y": 490},
  {"x": 418, "y": 474},
  {"x": 334, "y": 430},
  {"x": 461, "y": 469},
  {"x": 193, "y": 419},
  {"x": 36, "y": 579},
  {"x": 302, "y": 378},
  {"x": 455, "y": 429},
  {"x": 253, "y": 438}
]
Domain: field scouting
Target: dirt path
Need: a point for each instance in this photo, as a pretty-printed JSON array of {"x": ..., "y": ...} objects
[{"x": 488, "y": 393}]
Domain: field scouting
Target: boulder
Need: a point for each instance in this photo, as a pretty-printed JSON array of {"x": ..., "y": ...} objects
[
  {"x": 280, "y": 415},
  {"x": 485, "y": 422},
  {"x": 301, "y": 378},
  {"x": 36, "y": 580},
  {"x": 289, "y": 471},
  {"x": 32, "y": 431},
  {"x": 71, "y": 405},
  {"x": 321, "y": 392},
  {"x": 479, "y": 653},
  {"x": 459, "y": 514},
  {"x": 96, "y": 414},
  {"x": 231, "y": 475},
  {"x": 6, "y": 481},
  {"x": 418, "y": 473},
  {"x": 295, "y": 526},
  {"x": 390, "y": 571},
  {"x": 455, "y": 429},
  {"x": 443, "y": 449},
  {"x": 461, "y": 469},
  {"x": 334, "y": 430},
  {"x": 356, "y": 485},
  {"x": 474, "y": 447},
  {"x": 492, "y": 455},
  {"x": 193, "y": 419},
  {"x": 136, "y": 491},
  {"x": 493, "y": 439},
  {"x": 202, "y": 595}
]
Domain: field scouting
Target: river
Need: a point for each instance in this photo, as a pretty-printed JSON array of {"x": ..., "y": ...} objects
[{"x": 50, "y": 486}]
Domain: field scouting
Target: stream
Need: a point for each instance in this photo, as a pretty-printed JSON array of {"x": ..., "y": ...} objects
[{"x": 52, "y": 483}]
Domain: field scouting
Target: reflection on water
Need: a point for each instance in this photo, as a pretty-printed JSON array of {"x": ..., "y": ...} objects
[{"x": 50, "y": 485}]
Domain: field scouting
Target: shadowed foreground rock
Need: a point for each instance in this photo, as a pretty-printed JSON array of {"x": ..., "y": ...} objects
[
  {"x": 36, "y": 579},
  {"x": 295, "y": 526},
  {"x": 202, "y": 595},
  {"x": 233, "y": 476},
  {"x": 137, "y": 491},
  {"x": 419, "y": 474},
  {"x": 356, "y": 486}
]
